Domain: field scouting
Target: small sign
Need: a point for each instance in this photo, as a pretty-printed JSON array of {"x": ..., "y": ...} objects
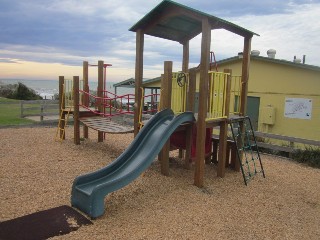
[{"x": 300, "y": 108}]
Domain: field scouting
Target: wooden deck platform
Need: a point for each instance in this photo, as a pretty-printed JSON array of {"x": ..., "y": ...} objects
[{"x": 106, "y": 125}]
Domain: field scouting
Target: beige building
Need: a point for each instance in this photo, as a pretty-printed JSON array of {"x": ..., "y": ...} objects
[{"x": 283, "y": 96}]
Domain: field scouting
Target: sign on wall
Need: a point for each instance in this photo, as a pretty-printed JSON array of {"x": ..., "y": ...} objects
[{"x": 300, "y": 108}]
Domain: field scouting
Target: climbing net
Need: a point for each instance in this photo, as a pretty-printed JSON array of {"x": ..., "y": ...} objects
[{"x": 248, "y": 152}]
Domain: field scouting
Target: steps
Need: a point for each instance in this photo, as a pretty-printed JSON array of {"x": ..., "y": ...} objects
[{"x": 63, "y": 120}]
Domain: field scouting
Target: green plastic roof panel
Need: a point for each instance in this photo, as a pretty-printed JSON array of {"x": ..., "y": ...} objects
[{"x": 173, "y": 21}]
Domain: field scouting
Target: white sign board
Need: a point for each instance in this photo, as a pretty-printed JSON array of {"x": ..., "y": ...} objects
[{"x": 300, "y": 108}]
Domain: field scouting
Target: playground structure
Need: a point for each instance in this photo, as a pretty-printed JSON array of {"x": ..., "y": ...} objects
[
  {"x": 175, "y": 22},
  {"x": 172, "y": 21}
]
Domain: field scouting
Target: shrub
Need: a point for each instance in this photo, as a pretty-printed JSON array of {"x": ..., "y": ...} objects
[
  {"x": 310, "y": 156},
  {"x": 7, "y": 89},
  {"x": 22, "y": 92}
]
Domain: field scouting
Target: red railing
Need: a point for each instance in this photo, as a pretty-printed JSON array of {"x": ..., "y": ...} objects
[{"x": 114, "y": 105}]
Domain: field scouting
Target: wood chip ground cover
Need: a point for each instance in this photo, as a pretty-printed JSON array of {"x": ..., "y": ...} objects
[{"x": 36, "y": 173}]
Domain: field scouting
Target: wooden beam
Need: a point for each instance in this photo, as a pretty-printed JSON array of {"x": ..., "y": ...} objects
[
  {"x": 166, "y": 90},
  {"x": 85, "y": 97},
  {"x": 203, "y": 93},
  {"x": 76, "y": 122},
  {"x": 138, "y": 78},
  {"x": 245, "y": 75},
  {"x": 100, "y": 94}
]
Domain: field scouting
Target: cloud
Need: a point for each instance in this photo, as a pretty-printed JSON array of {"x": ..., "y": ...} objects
[
  {"x": 236, "y": 8},
  {"x": 295, "y": 33},
  {"x": 70, "y": 31},
  {"x": 8, "y": 60}
]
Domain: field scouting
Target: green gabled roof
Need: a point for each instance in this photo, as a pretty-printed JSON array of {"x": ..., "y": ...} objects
[
  {"x": 174, "y": 21},
  {"x": 126, "y": 83},
  {"x": 129, "y": 83}
]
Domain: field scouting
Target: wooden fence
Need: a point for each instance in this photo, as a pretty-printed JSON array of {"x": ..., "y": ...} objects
[
  {"x": 39, "y": 108},
  {"x": 288, "y": 144},
  {"x": 279, "y": 143}
]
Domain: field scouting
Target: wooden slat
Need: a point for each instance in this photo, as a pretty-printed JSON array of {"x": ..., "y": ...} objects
[
  {"x": 275, "y": 147},
  {"x": 105, "y": 125},
  {"x": 286, "y": 138}
]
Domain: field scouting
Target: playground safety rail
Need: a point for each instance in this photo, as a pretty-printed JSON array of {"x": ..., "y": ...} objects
[
  {"x": 217, "y": 95},
  {"x": 180, "y": 82}
]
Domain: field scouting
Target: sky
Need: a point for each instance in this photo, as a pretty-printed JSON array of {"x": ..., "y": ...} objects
[{"x": 42, "y": 39}]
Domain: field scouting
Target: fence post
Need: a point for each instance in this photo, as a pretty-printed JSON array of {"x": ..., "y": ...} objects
[
  {"x": 21, "y": 108},
  {"x": 291, "y": 144},
  {"x": 41, "y": 113}
]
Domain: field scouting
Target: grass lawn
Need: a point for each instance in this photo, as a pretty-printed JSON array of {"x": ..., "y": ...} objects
[{"x": 10, "y": 113}]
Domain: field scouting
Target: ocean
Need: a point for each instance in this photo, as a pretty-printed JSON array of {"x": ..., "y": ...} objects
[{"x": 48, "y": 88}]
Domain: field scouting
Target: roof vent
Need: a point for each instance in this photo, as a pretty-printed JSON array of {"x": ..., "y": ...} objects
[
  {"x": 271, "y": 53},
  {"x": 255, "y": 53},
  {"x": 297, "y": 60}
]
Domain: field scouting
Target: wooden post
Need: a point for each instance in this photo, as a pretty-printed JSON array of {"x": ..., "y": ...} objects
[
  {"x": 192, "y": 90},
  {"x": 138, "y": 78},
  {"x": 185, "y": 59},
  {"x": 21, "y": 109},
  {"x": 203, "y": 93},
  {"x": 76, "y": 122},
  {"x": 185, "y": 69},
  {"x": 222, "y": 148},
  {"x": 85, "y": 97},
  {"x": 187, "y": 163},
  {"x": 41, "y": 112},
  {"x": 166, "y": 87},
  {"x": 62, "y": 106},
  {"x": 244, "y": 91},
  {"x": 190, "y": 107},
  {"x": 245, "y": 75},
  {"x": 223, "y": 136},
  {"x": 100, "y": 95}
]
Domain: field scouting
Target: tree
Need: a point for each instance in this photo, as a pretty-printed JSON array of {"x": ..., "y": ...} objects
[{"x": 22, "y": 92}]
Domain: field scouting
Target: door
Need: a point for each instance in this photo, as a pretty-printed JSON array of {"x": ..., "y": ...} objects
[{"x": 253, "y": 104}]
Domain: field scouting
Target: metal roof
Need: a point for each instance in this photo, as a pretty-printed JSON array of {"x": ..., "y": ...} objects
[
  {"x": 174, "y": 21},
  {"x": 126, "y": 83},
  {"x": 129, "y": 83},
  {"x": 273, "y": 60}
]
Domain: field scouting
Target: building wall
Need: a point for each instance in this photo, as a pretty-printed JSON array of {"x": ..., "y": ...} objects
[{"x": 274, "y": 83}]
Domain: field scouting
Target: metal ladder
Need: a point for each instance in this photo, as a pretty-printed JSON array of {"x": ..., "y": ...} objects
[{"x": 247, "y": 149}]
